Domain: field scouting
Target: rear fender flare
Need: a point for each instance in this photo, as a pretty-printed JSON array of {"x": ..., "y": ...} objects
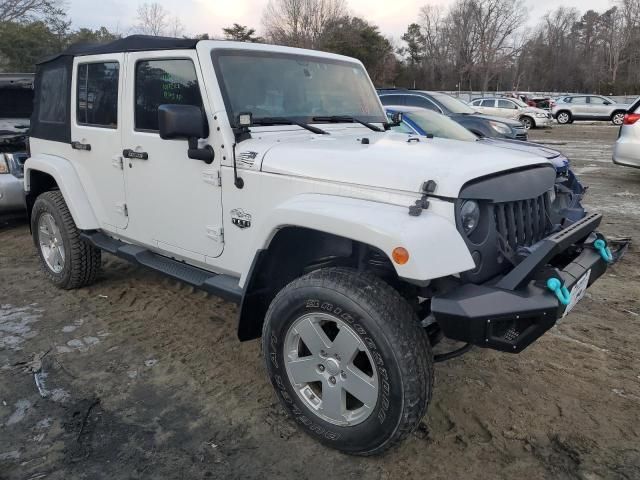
[{"x": 68, "y": 181}]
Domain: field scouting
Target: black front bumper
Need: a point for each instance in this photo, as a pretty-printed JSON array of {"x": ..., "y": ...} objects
[{"x": 510, "y": 313}]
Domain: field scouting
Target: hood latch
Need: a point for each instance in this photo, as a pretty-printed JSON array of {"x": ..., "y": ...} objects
[{"x": 427, "y": 189}]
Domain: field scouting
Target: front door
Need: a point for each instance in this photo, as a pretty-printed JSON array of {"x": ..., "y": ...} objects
[
  {"x": 174, "y": 202},
  {"x": 96, "y": 128}
]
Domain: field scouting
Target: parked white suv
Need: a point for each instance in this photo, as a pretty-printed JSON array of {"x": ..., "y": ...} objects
[
  {"x": 266, "y": 175},
  {"x": 569, "y": 108},
  {"x": 530, "y": 117},
  {"x": 627, "y": 149}
]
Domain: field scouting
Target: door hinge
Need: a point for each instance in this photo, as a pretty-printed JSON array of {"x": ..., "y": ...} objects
[
  {"x": 122, "y": 209},
  {"x": 118, "y": 162},
  {"x": 216, "y": 234},
  {"x": 213, "y": 178}
]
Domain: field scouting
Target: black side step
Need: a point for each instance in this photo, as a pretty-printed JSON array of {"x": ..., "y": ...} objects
[{"x": 224, "y": 286}]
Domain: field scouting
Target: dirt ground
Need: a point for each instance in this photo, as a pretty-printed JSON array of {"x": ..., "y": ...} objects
[{"x": 143, "y": 377}]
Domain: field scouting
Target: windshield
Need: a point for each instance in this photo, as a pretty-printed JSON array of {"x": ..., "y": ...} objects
[
  {"x": 519, "y": 102},
  {"x": 277, "y": 85},
  {"x": 453, "y": 104},
  {"x": 440, "y": 126}
]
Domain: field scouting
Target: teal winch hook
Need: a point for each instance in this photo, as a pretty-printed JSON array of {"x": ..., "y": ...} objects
[
  {"x": 601, "y": 246},
  {"x": 560, "y": 290}
]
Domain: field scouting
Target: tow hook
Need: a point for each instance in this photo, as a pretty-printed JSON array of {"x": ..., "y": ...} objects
[
  {"x": 557, "y": 287},
  {"x": 601, "y": 246}
]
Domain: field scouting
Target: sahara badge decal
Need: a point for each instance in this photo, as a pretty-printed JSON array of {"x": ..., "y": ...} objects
[{"x": 240, "y": 218}]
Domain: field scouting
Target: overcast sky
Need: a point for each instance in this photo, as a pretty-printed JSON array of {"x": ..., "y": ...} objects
[{"x": 209, "y": 16}]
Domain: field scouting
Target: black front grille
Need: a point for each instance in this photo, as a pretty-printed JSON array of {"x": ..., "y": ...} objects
[{"x": 522, "y": 223}]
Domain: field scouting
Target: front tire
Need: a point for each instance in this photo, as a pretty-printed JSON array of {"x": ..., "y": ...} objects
[
  {"x": 528, "y": 123},
  {"x": 67, "y": 260},
  {"x": 618, "y": 118},
  {"x": 348, "y": 359}
]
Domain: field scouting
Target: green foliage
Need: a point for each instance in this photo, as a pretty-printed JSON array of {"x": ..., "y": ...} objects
[
  {"x": 241, "y": 33},
  {"x": 355, "y": 37},
  {"x": 24, "y": 44}
]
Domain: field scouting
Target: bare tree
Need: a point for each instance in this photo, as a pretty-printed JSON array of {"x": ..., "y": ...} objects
[
  {"x": 152, "y": 19},
  {"x": 300, "y": 23},
  {"x": 26, "y": 10},
  {"x": 175, "y": 28}
]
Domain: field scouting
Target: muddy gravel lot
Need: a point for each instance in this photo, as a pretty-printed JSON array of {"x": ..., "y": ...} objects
[{"x": 143, "y": 377}]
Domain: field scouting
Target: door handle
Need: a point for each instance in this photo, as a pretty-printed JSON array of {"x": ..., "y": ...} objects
[
  {"x": 80, "y": 146},
  {"x": 128, "y": 153}
]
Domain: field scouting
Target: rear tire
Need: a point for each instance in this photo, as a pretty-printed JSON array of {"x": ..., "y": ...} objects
[
  {"x": 67, "y": 260},
  {"x": 564, "y": 117},
  {"x": 366, "y": 400}
]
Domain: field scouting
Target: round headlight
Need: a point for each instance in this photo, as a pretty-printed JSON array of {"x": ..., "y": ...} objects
[{"x": 470, "y": 216}]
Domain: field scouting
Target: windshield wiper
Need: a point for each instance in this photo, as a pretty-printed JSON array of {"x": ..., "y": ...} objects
[
  {"x": 287, "y": 121},
  {"x": 347, "y": 119}
]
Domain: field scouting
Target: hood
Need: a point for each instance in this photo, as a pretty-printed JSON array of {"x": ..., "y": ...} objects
[
  {"x": 388, "y": 161},
  {"x": 558, "y": 159},
  {"x": 13, "y": 130},
  {"x": 508, "y": 121}
]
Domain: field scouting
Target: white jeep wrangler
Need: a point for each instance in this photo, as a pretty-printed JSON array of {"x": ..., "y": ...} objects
[{"x": 267, "y": 175}]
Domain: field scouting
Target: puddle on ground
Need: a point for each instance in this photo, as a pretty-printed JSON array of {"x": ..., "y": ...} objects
[{"x": 16, "y": 324}]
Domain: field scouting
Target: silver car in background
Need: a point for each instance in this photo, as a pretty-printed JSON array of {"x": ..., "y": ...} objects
[
  {"x": 514, "y": 108},
  {"x": 627, "y": 149},
  {"x": 588, "y": 107}
]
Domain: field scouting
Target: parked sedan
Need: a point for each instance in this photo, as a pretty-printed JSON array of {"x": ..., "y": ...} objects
[
  {"x": 516, "y": 109},
  {"x": 588, "y": 107},
  {"x": 627, "y": 149},
  {"x": 465, "y": 115},
  {"x": 569, "y": 190}
]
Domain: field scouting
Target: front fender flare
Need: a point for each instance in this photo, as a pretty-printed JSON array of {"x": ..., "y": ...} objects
[
  {"x": 435, "y": 247},
  {"x": 69, "y": 184}
]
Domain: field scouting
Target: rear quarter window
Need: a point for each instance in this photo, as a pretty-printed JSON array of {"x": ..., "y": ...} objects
[{"x": 53, "y": 105}]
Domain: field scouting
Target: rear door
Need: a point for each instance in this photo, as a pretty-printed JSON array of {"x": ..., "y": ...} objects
[
  {"x": 174, "y": 202},
  {"x": 580, "y": 107},
  {"x": 96, "y": 128}
]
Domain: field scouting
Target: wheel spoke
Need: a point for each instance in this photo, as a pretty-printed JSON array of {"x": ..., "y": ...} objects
[
  {"x": 333, "y": 401},
  {"x": 313, "y": 336},
  {"x": 303, "y": 370},
  {"x": 346, "y": 344},
  {"x": 60, "y": 250},
  {"x": 361, "y": 387},
  {"x": 45, "y": 235},
  {"x": 51, "y": 257}
]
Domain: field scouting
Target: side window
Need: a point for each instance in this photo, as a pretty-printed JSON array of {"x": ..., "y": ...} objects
[
  {"x": 476, "y": 103},
  {"x": 415, "y": 101},
  {"x": 578, "y": 100},
  {"x": 392, "y": 100},
  {"x": 160, "y": 82},
  {"x": 507, "y": 104},
  {"x": 97, "y": 94},
  {"x": 53, "y": 104},
  {"x": 488, "y": 103},
  {"x": 596, "y": 100}
]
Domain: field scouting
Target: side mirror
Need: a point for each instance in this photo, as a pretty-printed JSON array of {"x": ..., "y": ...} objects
[
  {"x": 607, "y": 103},
  {"x": 396, "y": 119},
  {"x": 185, "y": 122}
]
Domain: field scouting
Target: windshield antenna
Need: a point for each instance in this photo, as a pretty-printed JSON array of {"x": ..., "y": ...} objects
[{"x": 237, "y": 181}]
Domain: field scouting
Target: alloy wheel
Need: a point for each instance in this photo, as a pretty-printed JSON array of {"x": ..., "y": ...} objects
[
  {"x": 51, "y": 244},
  {"x": 331, "y": 369}
]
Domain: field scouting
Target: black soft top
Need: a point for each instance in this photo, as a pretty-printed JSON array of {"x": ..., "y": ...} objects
[{"x": 132, "y": 43}]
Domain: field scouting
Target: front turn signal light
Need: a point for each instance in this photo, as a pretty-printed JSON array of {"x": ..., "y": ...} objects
[{"x": 400, "y": 255}]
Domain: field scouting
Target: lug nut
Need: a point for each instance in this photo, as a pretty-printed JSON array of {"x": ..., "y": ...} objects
[
  {"x": 332, "y": 380},
  {"x": 321, "y": 367},
  {"x": 323, "y": 353},
  {"x": 343, "y": 375},
  {"x": 337, "y": 357}
]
